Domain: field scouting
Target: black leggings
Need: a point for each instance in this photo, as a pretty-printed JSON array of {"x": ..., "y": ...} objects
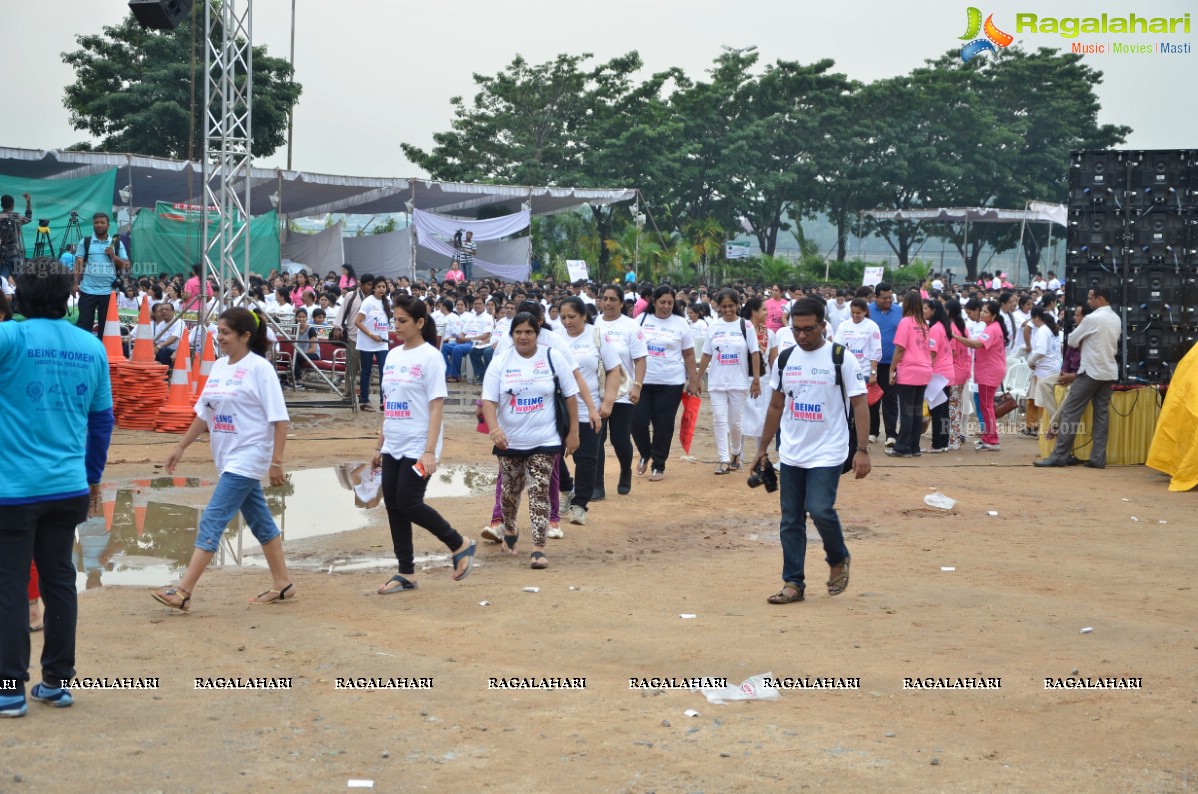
[
  {"x": 658, "y": 407},
  {"x": 586, "y": 459},
  {"x": 619, "y": 426},
  {"x": 403, "y": 494}
]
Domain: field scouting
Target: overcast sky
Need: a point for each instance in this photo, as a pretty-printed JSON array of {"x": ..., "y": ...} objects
[{"x": 376, "y": 72}]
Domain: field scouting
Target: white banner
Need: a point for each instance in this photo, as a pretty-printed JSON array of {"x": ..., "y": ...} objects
[
  {"x": 577, "y": 268},
  {"x": 429, "y": 224},
  {"x": 736, "y": 250},
  {"x": 873, "y": 276}
]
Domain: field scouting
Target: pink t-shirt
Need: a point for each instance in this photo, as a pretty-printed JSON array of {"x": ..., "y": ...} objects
[
  {"x": 916, "y": 367},
  {"x": 775, "y": 314},
  {"x": 962, "y": 361},
  {"x": 938, "y": 343},
  {"x": 455, "y": 275},
  {"x": 990, "y": 361},
  {"x": 192, "y": 288}
]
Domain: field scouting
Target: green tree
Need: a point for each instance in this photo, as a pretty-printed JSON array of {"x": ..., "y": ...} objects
[{"x": 133, "y": 91}]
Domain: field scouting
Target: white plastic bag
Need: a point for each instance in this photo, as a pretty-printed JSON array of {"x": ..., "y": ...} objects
[{"x": 753, "y": 688}]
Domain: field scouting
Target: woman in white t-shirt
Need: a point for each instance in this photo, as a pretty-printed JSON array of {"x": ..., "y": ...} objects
[
  {"x": 374, "y": 329},
  {"x": 669, "y": 370},
  {"x": 242, "y": 409},
  {"x": 524, "y": 429},
  {"x": 734, "y": 377},
  {"x": 591, "y": 355},
  {"x": 1045, "y": 360},
  {"x": 697, "y": 314},
  {"x": 754, "y": 313},
  {"x": 861, "y": 337},
  {"x": 413, "y": 387},
  {"x": 621, "y": 331}
]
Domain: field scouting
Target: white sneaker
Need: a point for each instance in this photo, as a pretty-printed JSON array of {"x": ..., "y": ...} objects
[
  {"x": 890, "y": 442},
  {"x": 555, "y": 531},
  {"x": 873, "y": 439},
  {"x": 578, "y": 515},
  {"x": 493, "y": 533}
]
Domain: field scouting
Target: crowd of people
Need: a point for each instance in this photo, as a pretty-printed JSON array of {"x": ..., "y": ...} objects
[{"x": 817, "y": 373}]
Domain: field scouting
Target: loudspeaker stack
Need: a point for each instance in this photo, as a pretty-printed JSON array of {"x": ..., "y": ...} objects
[{"x": 1133, "y": 227}]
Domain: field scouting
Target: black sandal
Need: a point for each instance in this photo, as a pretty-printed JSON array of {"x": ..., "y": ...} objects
[
  {"x": 509, "y": 543},
  {"x": 539, "y": 561},
  {"x": 790, "y": 593},
  {"x": 164, "y": 598},
  {"x": 404, "y": 585},
  {"x": 280, "y": 596}
]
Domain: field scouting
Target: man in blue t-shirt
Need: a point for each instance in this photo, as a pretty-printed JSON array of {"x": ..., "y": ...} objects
[
  {"x": 886, "y": 313},
  {"x": 98, "y": 263},
  {"x": 57, "y": 394}
]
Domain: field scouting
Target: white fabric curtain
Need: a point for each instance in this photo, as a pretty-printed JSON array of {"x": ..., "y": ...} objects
[
  {"x": 429, "y": 225},
  {"x": 387, "y": 255},
  {"x": 321, "y": 252},
  {"x": 505, "y": 259}
]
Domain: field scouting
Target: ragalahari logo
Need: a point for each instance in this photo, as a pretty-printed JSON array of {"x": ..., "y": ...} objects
[{"x": 993, "y": 38}]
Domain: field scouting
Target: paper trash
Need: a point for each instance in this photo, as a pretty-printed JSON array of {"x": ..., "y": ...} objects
[
  {"x": 939, "y": 500},
  {"x": 753, "y": 688}
]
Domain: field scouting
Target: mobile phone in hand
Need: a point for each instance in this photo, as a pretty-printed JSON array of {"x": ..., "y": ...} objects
[{"x": 418, "y": 467}]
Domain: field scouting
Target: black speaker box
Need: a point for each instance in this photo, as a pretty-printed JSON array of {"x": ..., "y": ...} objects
[
  {"x": 160, "y": 14},
  {"x": 1157, "y": 238},
  {"x": 1083, "y": 279},
  {"x": 1160, "y": 178}
]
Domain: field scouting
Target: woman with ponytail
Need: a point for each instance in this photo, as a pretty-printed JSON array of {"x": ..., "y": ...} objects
[
  {"x": 242, "y": 409},
  {"x": 989, "y": 369}
]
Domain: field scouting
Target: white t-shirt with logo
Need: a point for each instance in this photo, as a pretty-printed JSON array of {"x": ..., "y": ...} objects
[
  {"x": 863, "y": 340},
  {"x": 377, "y": 322},
  {"x": 664, "y": 341},
  {"x": 626, "y": 337},
  {"x": 478, "y": 324},
  {"x": 729, "y": 348},
  {"x": 522, "y": 389},
  {"x": 240, "y": 403},
  {"x": 815, "y": 430},
  {"x": 586, "y": 357},
  {"x": 411, "y": 380}
]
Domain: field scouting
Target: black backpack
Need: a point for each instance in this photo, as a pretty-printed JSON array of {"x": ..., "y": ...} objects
[
  {"x": 837, "y": 362},
  {"x": 8, "y": 230}
]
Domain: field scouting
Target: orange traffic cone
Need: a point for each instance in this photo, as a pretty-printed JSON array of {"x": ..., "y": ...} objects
[
  {"x": 176, "y": 415},
  {"x": 141, "y": 503},
  {"x": 143, "y": 344},
  {"x": 108, "y": 500},
  {"x": 204, "y": 365},
  {"x": 112, "y": 332}
]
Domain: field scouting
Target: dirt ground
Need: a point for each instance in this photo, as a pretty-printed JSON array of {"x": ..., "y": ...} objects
[{"x": 1062, "y": 553}]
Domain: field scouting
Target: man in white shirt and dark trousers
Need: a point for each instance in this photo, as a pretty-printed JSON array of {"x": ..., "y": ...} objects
[
  {"x": 344, "y": 327},
  {"x": 1098, "y": 337},
  {"x": 808, "y": 406}
]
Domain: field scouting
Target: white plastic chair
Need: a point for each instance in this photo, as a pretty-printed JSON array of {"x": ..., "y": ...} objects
[{"x": 1019, "y": 377}]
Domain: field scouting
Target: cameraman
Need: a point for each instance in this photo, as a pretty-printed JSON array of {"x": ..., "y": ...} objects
[
  {"x": 12, "y": 242},
  {"x": 807, "y": 404},
  {"x": 97, "y": 265}
]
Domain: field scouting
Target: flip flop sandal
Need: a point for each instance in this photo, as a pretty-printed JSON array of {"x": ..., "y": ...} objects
[
  {"x": 735, "y": 464},
  {"x": 723, "y": 468},
  {"x": 509, "y": 542},
  {"x": 164, "y": 598},
  {"x": 789, "y": 593},
  {"x": 468, "y": 555},
  {"x": 642, "y": 466},
  {"x": 280, "y": 596},
  {"x": 404, "y": 585},
  {"x": 539, "y": 561},
  {"x": 839, "y": 583}
]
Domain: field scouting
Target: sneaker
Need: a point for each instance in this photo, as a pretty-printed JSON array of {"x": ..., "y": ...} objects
[
  {"x": 982, "y": 446},
  {"x": 555, "y": 530},
  {"x": 578, "y": 515},
  {"x": 873, "y": 439},
  {"x": 953, "y": 447},
  {"x": 890, "y": 442},
  {"x": 14, "y": 706},
  {"x": 936, "y": 451},
  {"x": 493, "y": 532},
  {"x": 599, "y": 495},
  {"x": 59, "y": 698}
]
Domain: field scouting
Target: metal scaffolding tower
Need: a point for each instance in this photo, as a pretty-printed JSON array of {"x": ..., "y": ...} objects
[{"x": 228, "y": 102}]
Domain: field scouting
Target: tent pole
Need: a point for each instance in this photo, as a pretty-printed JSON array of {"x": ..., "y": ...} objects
[
  {"x": 412, "y": 232},
  {"x": 1019, "y": 250}
]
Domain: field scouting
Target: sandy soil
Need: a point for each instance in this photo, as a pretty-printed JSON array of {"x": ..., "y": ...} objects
[{"x": 1063, "y": 553}]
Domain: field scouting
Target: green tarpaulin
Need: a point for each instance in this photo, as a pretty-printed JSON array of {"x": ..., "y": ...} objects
[
  {"x": 169, "y": 240},
  {"x": 55, "y": 199}
]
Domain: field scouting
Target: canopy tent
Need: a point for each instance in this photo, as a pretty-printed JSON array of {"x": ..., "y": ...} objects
[
  {"x": 300, "y": 194},
  {"x": 166, "y": 241},
  {"x": 1035, "y": 212},
  {"x": 55, "y": 200}
]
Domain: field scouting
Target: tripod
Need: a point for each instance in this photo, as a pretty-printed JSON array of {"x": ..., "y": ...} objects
[
  {"x": 72, "y": 225},
  {"x": 42, "y": 241}
]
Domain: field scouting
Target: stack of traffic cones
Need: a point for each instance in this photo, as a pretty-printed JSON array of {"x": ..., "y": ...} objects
[
  {"x": 176, "y": 415},
  {"x": 139, "y": 386}
]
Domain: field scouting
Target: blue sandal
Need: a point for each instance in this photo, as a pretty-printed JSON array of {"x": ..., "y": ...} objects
[
  {"x": 404, "y": 584},
  {"x": 468, "y": 555}
]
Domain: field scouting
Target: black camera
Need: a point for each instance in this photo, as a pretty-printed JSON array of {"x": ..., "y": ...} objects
[{"x": 764, "y": 474}]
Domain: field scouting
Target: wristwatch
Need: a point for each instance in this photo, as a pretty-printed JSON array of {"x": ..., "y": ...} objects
[{"x": 864, "y": 449}]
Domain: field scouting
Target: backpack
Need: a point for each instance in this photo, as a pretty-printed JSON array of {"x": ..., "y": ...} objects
[
  {"x": 8, "y": 230},
  {"x": 837, "y": 363}
]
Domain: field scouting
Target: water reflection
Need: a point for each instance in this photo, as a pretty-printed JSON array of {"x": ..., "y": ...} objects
[{"x": 143, "y": 541}]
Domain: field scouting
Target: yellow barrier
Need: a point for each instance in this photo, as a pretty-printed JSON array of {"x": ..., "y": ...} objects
[{"x": 1133, "y": 422}]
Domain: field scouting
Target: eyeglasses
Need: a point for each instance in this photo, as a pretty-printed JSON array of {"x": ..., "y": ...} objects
[{"x": 805, "y": 329}]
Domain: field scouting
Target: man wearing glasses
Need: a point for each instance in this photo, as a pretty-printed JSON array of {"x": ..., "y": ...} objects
[{"x": 808, "y": 405}]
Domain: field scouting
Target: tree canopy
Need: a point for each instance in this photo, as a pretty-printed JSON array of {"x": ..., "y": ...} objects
[{"x": 142, "y": 91}]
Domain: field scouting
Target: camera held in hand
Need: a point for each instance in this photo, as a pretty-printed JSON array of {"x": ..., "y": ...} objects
[{"x": 764, "y": 474}]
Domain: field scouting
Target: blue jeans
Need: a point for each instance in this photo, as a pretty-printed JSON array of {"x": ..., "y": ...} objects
[
  {"x": 365, "y": 357},
  {"x": 811, "y": 492},
  {"x": 235, "y": 493},
  {"x": 454, "y": 352},
  {"x": 480, "y": 358},
  {"x": 43, "y": 532}
]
